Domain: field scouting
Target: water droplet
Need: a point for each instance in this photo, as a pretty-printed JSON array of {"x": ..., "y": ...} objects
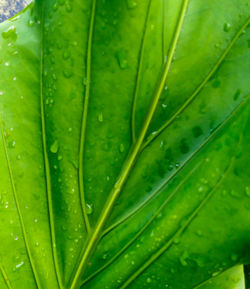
[
  {"x": 235, "y": 194},
  {"x": 66, "y": 55},
  {"x": 131, "y": 4},
  {"x": 100, "y": 117},
  {"x": 183, "y": 259},
  {"x": 216, "y": 83},
  {"x": 1, "y": 93},
  {"x": 6, "y": 64},
  {"x": 164, "y": 106},
  {"x": 237, "y": 94},
  {"x": 60, "y": 157},
  {"x": 122, "y": 148},
  {"x": 197, "y": 131},
  {"x": 227, "y": 27},
  {"x": 89, "y": 209},
  {"x": 10, "y": 34},
  {"x": 19, "y": 265},
  {"x": 16, "y": 238},
  {"x": 31, "y": 23},
  {"x": 184, "y": 146},
  {"x": 122, "y": 59},
  {"x": 67, "y": 73},
  {"x": 54, "y": 147},
  {"x": 104, "y": 256},
  {"x": 247, "y": 190},
  {"x": 234, "y": 257},
  {"x": 55, "y": 6},
  {"x": 149, "y": 280},
  {"x": 68, "y": 7},
  {"x": 215, "y": 273}
]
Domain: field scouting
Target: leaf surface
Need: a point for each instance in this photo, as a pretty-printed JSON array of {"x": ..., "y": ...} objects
[{"x": 124, "y": 144}]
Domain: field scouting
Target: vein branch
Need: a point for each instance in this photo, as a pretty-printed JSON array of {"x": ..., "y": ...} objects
[
  {"x": 148, "y": 223},
  {"x": 138, "y": 76},
  {"x": 147, "y": 200},
  {"x": 19, "y": 212},
  {"x": 199, "y": 88},
  {"x": 178, "y": 233},
  {"x": 5, "y": 277},
  {"x": 84, "y": 117},
  {"x": 129, "y": 163}
]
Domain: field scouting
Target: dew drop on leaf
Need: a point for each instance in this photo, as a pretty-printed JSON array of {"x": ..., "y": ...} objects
[
  {"x": 184, "y": 146},
  {"x": 60, "y": 157},
  {"x": 227, "y": 27},
  {"x": 54, "y": 147},
  {"x": 122, "y": 148},
  {"x": 89, "y": 209},
  {"x": 66, "y": 55},
  {"x": 247, "y": 190},
  {"x": 31, "y": 22},
  {"x": 67, "y": 73},
  {"x": 100, "y": 117},
  {"x": 197, "y": 131},
  {"x": 19, "y": 265},
  {"x": 10, "y": 34},
  {"x": 131, "y": 4},
  {"x": 216, "y": 83},
  {"x": 122, "y": 59},
  {"x": 68, "y": 7},
  {"x": 237, "y": 94},
  {"x": 55, "y": 6},
  {"x": 234, "y": 257},
  {"x": 104, "y": 256}
]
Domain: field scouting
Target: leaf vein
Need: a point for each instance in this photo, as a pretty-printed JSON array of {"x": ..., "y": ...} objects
[{"x": 199, "y": 88}]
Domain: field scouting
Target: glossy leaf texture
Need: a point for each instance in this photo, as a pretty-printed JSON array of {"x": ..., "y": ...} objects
[{"x": 124, "y": 145}]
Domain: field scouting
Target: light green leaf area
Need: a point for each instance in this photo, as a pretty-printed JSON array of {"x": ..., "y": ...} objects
[
  {"x": 231, "y": 279},
  {"x": 124, "y": 141}
]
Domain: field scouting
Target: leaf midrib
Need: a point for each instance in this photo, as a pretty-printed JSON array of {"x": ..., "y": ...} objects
[
  {"x": 208, "y": 140},
  {"x": 115, "y": 192},
  {"x": 152, "y": 138},
  {"x": 179, "y": 232}
]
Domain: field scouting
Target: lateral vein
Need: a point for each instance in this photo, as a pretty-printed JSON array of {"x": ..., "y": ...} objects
[
  {"x": 199, "y": 88},
  {"x": 138, "y": 75},
  {"x": 19, "y": 211},
  {"x": 5, "y": 277},
  {"x": 85, "y": 115}
]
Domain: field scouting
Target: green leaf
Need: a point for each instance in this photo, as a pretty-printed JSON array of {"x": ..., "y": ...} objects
[{"x": 124, "y": 145}]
